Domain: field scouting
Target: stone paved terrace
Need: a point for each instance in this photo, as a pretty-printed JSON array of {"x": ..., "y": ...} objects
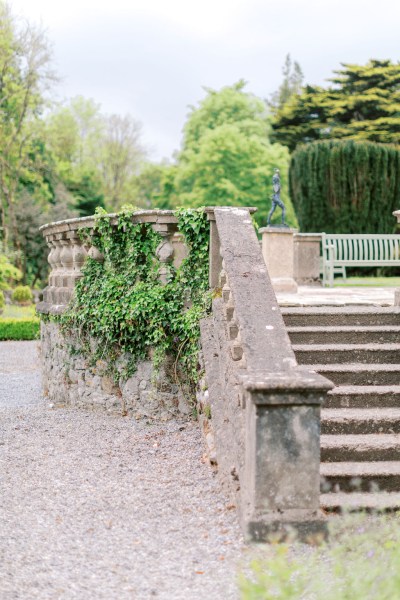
[{"x": 338, "y": 296}]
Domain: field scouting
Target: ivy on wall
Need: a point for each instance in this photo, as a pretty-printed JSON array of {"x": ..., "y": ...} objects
[{"x": 120, "y": 306}]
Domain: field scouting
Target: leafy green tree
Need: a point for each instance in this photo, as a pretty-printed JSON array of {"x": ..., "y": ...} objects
[
  {"x": 227, "y": 158},
  {"x": 153, "y": 187},
  {"x": 9, "y": 274},
  {"x": 363, "y": 104},
  {"x": 229, "y": 106},
  {"x": 24, "y": 77},
  {"x": 87, "y": 192},
  {"x": 30, "y": 215},
  {"x": 104, "y": 151},
  {"x": 291, "y": 84},
  {"x": 119, "y": 155}
]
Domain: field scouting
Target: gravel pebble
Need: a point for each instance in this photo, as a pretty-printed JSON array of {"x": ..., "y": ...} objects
[{"x": 94, "y": 506}]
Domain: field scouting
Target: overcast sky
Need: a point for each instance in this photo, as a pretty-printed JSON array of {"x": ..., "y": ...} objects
[{"x": 150, "y": 58}]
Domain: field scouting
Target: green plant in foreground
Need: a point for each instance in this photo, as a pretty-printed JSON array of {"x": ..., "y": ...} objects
[
  {"x": 22, "y": 295},
  {"x": 19, "y": 329},
  {"x": 360, "y": 562},
  {"x": 124, "y": 307}
]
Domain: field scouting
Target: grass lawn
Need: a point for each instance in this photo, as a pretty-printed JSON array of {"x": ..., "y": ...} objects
[
  {"x": 368, "y": 282},
  {"x": 11, "y": 311},
  {"x": 360, "y": 561}
]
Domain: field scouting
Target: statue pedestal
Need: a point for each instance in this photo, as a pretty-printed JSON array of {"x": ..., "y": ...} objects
[{"x": 278, "y": 253}]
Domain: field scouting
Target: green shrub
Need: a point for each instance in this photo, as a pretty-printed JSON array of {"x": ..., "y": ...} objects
[
  {"x": 2, "y": 302},
  {"x": 345, "y": 186},
  {"x": 19, "y": 329},
  {"x": 22, "y": 295}
]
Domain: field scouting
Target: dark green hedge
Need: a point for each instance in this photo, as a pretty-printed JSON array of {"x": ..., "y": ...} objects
[
  {"x": 345, "y": 186},
  {"x": 19, "y": 329}
]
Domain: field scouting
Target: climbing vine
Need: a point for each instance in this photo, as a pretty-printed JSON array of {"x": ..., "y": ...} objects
[{"x": 120, "y": 306}]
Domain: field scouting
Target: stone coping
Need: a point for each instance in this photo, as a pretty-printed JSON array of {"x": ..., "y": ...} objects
[
  {"x": 313, "y": 236},
  {"x": 141, "y": 216},
  {"x": 45, "y": 308},
  {"x": 277, "y": 229},
  {"x": 285, "y": 382}
]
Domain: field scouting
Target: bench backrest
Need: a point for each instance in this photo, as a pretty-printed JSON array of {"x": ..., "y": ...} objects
[{"x": 364, "y": 247}]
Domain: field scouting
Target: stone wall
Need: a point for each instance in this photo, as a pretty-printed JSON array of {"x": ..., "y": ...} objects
[{"x": 69, "y": 379}]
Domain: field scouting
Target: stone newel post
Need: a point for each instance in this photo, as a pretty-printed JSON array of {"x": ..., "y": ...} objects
[{"x": 278, "y": 253}]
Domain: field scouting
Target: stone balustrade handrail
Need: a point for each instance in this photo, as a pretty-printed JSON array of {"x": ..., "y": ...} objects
[
  {"x": 139, "y": 216},
  {"x": 68, "y": 251},
  {"x": 265, "y": 407}
]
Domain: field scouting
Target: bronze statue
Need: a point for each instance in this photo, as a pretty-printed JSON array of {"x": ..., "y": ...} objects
[{"x": 276, "y": 198}]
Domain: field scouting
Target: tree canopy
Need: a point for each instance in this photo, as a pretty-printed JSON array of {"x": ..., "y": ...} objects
[
  {"x": 24, "y": 76},
  {"x": 362, "y": 104},
  {"x": 344, "y": 186},
  {"x": 227, "y": 158},
  {"x": 291, "y": 84}
]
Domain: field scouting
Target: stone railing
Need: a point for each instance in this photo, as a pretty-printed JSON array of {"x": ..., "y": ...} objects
[
  {"x": 68, "y": 252},
  {"x": 71, "y": 378},
  {"x": 265, "y": 408}
]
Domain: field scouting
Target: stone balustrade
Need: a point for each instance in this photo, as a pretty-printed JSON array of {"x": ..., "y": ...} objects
[
  {"x": 264, "y": 428},
  {"x": 69, "y": 250}
]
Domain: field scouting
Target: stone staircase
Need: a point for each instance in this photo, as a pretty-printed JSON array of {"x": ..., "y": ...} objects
[{"x": 358, "y": 349}]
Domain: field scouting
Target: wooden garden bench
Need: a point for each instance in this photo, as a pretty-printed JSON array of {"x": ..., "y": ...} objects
[{"x": 357, "y": 250}]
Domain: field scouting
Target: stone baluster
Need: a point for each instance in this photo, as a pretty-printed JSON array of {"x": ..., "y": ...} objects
[
  {"x": 50, "y": 288},
  {"x": 95, "y": 254},
  {"x": 180, "y": 249},
  {"x": 79, "y": 254},
  {"x": 58, "y": 270},
  {"x": 67, "y": 262},
  {"x": 165, "y": 249}
]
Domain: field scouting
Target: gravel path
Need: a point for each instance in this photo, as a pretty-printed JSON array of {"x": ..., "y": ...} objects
[{"x": 101, "y": 507}]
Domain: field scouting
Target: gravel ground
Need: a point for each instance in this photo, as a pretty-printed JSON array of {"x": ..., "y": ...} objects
[{"x": 94, "y": 506}]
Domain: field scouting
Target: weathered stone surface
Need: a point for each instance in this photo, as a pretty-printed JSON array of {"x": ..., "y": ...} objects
[
  {"x": 68, "y": 380},
  {"x": 279, "y": 254},
  {"x": 307, "y": 258},
  {"x": 265, "y": 410},
  {"x": 108, "y": 385}
]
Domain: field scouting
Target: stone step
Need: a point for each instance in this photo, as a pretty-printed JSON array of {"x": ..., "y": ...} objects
[
  {"x": 360, "y": 448},
  {"x": 363, "y": 396},
  {"x": 346, "y": 353},
  {"x": 344, "y": 421},
  {"x": 359, "y": 374},
  {"x": 381, "y": 501},
  {"x": 360, "y": 476},
  {"x": 330, "y": 316},
  {"x": 345, "y": 335}
]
